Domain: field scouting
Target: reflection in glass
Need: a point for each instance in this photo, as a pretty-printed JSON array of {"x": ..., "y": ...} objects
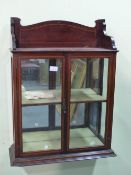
[
  {"x": 41, "y": 104},
  {"x": 103, "y": 120},
  {"x": 36, "y": 132},
  {"x": 41, "y": 81},
  {"x": 91, "y": 133},
  {"x": 32, "y": 117},
  {"x": 75, "y": 119}
]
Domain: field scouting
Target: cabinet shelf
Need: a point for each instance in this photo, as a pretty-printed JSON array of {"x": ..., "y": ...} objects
[
  {"x": 85, "y": 95},
  {"x": 52, "y": 100},
  {"x": 77, "y": 95}
]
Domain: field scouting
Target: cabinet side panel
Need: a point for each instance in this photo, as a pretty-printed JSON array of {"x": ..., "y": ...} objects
[{"x": 110, "y": 100}]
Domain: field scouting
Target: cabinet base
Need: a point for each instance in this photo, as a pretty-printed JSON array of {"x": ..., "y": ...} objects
[{"x": 29, "y": 161}]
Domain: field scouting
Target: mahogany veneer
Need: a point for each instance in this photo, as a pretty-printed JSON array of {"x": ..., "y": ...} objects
[{"x": 64, "y": 40}]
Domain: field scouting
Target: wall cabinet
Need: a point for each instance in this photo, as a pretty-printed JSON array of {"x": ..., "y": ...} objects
[{"x": 63, "y": 77}]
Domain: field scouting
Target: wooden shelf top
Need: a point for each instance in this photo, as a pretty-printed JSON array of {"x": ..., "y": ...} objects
[
  {"x": 63, "y": 49},
  {"x": 77, "y": 95}
]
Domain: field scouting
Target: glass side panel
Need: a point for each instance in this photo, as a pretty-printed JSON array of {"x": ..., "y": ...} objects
[
  {"x": 75, "y": 112},
  {"x": 41, "y": 82},
  {"x": 89, "y": 79},
  {"x": 103, "y": 120},
  {"x": 91, "y": 133}
]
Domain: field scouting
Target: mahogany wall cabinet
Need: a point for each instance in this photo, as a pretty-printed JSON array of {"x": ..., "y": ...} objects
[{"x": 63, "y": 77}]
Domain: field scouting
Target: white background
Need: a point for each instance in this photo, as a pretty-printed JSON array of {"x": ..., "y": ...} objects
[{"x": 118, "y": 19}]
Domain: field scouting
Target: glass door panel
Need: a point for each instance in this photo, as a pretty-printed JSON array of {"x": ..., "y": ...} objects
[
  {"x": 41, "y": 82},
  {"x": 89, "y": 78},
  {"x": 90, "y": 132}
]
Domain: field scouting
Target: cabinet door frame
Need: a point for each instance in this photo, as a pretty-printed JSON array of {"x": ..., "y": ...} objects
[
  {"x": 66, "y": 87},
  {"x": 109, "y": 99},
  {"x": 17, "y": 103}
]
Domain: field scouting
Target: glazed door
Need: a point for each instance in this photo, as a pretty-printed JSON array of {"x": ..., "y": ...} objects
[
  {"x": 42, "y": 89},
  {"x": 64, "y": 103},
  {"x": 88, "y": 100}
]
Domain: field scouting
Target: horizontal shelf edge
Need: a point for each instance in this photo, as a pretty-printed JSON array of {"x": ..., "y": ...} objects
[
  {"x": 91, "y": 97},
  {"x": 63, "y": 49}
]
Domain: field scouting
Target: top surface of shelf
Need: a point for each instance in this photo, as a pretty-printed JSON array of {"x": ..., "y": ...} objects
[
  {"x": 77, "y": 95},
  {"x": 64, "y": 49}
]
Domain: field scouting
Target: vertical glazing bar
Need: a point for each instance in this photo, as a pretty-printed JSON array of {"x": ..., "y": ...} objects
[
  {"x": 88, "y": 78},
  {"x": 66, "y": 97},
  {"x": 52, "y": 85}
]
